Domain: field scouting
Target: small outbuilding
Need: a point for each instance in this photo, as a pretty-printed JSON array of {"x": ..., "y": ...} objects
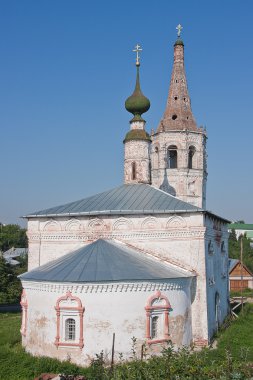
[{"x": 240, "y": 276}]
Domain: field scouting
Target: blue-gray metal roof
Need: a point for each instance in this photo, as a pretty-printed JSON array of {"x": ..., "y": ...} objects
[
  {"x": 231, "y": 264},
  {"x": 125, "y": 199},
  {"x": 104, "y": 261}
]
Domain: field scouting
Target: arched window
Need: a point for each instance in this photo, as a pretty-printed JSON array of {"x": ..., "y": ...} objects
[
  {"x": 172, "y": 157},
  {"x": 156, "y": 158},
  {"x": 70, "y": 329},
  {"x": 157, "y": 322},
  {"x": 133, "y": 170},
  {"x": 190, "y": 156}
]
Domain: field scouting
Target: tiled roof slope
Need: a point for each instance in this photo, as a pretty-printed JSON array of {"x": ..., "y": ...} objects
[
  {"x": 125, "y": 199},
  {"x": 104, "y": 261}
]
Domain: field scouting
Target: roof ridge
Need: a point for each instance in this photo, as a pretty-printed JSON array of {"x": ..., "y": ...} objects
[
  {"x": 176, "y": 198},
  {"x": 126, "y": 199},
  {"x": 156, "y": 256}
]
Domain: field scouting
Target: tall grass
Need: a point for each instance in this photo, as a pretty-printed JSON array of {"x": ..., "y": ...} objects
[{"x": 233, "y": 358}]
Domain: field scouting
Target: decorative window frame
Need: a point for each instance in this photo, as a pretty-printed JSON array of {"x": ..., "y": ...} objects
[
  {"x": 69, "y": 306},
  {"x": 157, "y": 310},
  {"x": 24, "y": 306}
]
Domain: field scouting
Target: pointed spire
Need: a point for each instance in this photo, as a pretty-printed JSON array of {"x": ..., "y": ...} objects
[
  {"x": 178, "y": 114},
  {"x": 137, "y": 103}
]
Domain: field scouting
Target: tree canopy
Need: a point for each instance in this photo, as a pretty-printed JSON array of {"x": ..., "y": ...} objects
[
  {"x": 235, "y": 249},
  {"x": 12, "y": 235}
]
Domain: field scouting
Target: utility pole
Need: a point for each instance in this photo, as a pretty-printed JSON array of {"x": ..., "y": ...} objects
[{"x": 242, "y": 271}]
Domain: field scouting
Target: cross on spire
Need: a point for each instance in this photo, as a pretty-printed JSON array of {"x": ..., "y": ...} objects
[
  {"x": 137, "y": 49},
  {"x": 179, "y": 29}
]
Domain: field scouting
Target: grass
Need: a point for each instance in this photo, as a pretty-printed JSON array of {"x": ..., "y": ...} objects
[
  {"x": 238, "y": 338},
  {"x": 15, "y": 363},
  {"x": 233, "y": 354},
  {"x": 246, "y": 293}
]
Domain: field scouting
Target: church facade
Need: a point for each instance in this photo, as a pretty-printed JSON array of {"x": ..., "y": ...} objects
[{"x": 143, "y": 260}]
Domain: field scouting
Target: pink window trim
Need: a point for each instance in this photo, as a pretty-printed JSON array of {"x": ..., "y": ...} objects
[
  {"x": 24, "y": 305},
  {"x": 165, "y": 308},
  {"x": 79, "y": 309}
]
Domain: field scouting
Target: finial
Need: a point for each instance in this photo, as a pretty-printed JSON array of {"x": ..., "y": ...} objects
[
  {"x": 137, "y": 49},
  {"x": 179, "y": 29}
]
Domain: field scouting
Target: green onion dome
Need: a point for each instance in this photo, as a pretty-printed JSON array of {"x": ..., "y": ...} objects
[
  {"x": 137, "y": 103},
  {"x": 137, "y": 134},
  {"x": 179, "y": 42}
]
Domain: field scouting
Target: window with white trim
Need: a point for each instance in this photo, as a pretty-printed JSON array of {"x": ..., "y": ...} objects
[
  {"x": 154, "y": 327},
  {"x": 70, "y": 329}
]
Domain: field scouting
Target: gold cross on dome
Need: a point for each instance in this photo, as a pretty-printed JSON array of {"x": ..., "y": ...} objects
[
  {"x": 179, "y": 29},
  {"x": 137, "y": 49}
]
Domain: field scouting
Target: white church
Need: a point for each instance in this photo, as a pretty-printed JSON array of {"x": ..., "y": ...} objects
[{"x": 143, "y": 260}]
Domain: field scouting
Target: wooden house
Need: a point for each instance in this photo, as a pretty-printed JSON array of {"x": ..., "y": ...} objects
[{"x": 239, "y": 276}]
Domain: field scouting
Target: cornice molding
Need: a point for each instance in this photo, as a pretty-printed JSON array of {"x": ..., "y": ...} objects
[
  {"x": 174, "y": 233},
  {"x": 131, "y": 287}
]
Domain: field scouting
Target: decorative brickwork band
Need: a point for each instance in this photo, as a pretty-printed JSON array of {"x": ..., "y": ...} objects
[{"x": 65, "y": 304}]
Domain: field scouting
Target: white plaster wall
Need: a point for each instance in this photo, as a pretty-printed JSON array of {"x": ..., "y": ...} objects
[
  {"x": 106, "y": 312},
  {"x": 176, "y": 238},
  {"x": 137, "y": 151}
]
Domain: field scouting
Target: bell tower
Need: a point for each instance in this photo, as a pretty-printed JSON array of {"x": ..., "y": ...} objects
[
  {"x": 137, "y": 141},
  {"x": 178, "y": 152}
]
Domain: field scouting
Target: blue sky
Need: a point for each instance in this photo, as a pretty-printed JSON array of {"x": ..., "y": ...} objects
[{"x": 66, "y": 69}]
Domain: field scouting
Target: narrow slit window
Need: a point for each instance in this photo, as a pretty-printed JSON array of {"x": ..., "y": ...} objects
[
  {"x": 133, "y": 170},
  {"x": 190, "y": 157}
]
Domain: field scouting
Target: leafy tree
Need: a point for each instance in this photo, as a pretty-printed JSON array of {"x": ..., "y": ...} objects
[
  {"x": 235, "y": 250},
  {"x": 12, "y": 235},
  {"x": 232, "y": 235},
  {"x": 10, "y": 285}
]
